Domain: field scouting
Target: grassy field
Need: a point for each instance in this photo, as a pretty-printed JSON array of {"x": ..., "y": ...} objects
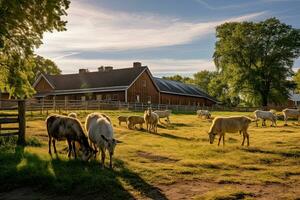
[{"x": 176, "y": 163}]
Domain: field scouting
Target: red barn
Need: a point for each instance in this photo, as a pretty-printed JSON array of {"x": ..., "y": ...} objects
[{"x": 134, "y": 84}]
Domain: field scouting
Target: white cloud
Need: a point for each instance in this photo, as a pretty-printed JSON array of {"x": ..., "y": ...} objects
[
  {"x": 96, "y": 29},
  {"x": 157, "y": 66}
]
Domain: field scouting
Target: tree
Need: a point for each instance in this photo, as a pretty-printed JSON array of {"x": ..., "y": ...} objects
[
  {"x": 257, "y": 58},
  {"x": 203, "y": 78},
  {"x": 296, "y": 79},
  {"x": 22, "y": 24},
  {"x": 178, "y": 78}
]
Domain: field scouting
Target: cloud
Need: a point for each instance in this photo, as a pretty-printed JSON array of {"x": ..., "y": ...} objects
[
  {"x": 97, "y": 29},
  {"x": 157, "y": 66},
  {"x": 231, "y": 6}
]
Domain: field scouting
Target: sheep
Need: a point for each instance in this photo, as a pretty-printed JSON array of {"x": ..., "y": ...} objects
[
  {"x": 133, "y": 120},
  {"x": 101, "y": 134},
  {"x": 72, "y": 114},
  {"x": 291, "y": 113},
  {"x": 206, "y": 113},
  {"x": 163, "y": 114},
  {"x": 151, "y": 120},
  {"x": 222, "y": 125},
  {"x": 122, "y": 119},
  {"x": 61, "y": 127},
  {"x": 264, "y": 115}
]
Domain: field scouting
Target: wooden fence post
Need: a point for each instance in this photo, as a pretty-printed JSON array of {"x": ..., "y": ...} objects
[{"x": 22, "y": 122}]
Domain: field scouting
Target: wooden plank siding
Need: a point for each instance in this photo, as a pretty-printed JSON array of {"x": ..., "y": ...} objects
[
  {"x": 43, "y": 86},
  {"x": 175, "y": 99},
  {"x": 144, "y": 88}
]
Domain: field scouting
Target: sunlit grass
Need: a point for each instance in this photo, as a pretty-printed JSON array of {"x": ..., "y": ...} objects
[{"x": 177, "y": 153}]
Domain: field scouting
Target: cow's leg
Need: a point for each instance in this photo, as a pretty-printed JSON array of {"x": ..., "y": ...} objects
[
  {"x": 102, "y": 157},
  {"x": 96, "y": 150},
  {"x": 248, "y": 142},
  {"x": 110, "y": 161},
  {"x": 74, "y": 149},
  {"x": 285, "y": 120},
  {"x": 243, "y": 138},
  {"x": 54, "y": 147},
  {"x": 49, "y": 145},
  {"x": 69, "y": 148},
  {"x": 224, "y": 139},
  {"x": 220, "y": 140}
]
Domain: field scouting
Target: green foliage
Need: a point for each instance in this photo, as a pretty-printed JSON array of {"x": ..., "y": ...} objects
[
  {"x": 23, "y": 23},
  {"x": 296, "y": 79},
  {"x": 257, "y": 58},
  {"x": 178, "y": 78},
  {"x": 203, "y": 78}
]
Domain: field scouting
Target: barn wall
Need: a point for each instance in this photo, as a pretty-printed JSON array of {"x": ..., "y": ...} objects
[
  {"x": 173, "y": 99},
  {"x": 43, "y": 86},
  {"x": 145, "y": 89},
  {"x": 103, "y": 96}
]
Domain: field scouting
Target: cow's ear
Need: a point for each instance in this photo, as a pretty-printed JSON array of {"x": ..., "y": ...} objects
[{"x": 104, "y": 138}]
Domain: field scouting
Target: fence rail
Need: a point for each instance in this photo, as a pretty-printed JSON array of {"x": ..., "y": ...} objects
[
  {"x": 69, "y": 105},
  {"x": 13, "y": 118}
]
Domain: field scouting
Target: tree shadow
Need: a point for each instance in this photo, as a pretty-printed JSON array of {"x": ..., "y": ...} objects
[
  {"x": 287, "y": 154},
  {"x": 71, "y": 179},
  {"x": 170, "y": 136}
]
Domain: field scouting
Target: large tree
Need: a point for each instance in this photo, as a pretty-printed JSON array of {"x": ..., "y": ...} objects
[
  {"x": 256, "y": 59},
  {"x": 22, "y": 24}
]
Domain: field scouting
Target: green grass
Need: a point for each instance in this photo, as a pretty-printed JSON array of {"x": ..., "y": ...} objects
[{"x": 144, "y": 162}]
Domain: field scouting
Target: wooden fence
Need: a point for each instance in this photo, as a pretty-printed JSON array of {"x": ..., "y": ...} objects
[
  {"x": 44, "y": 106},
  {"x": 13, "y": 114}
]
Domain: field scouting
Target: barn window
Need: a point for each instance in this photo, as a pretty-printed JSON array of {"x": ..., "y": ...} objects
[
  {"x": 99, "y": 97},
  {"x": 138, "y": 98},
  {"x": 115, "y": 97},
  {"x": 83, "y": 98},
  {"x": 108, "y": 97},
  {"x": 149, "y": 100},
  {"x": 144, "y": 83}
]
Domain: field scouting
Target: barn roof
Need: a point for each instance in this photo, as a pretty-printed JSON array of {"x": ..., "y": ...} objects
[
  {"x": 176, "y": 87},
  {"x": 113, "y": 78}
]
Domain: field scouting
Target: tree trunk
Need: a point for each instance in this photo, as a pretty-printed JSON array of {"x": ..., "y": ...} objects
[{"x": 264, "y": 97}]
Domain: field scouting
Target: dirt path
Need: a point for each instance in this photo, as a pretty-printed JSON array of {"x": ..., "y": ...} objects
[
  {"x": 189, "y": 190},
  {"x": 182, "y": 190}
]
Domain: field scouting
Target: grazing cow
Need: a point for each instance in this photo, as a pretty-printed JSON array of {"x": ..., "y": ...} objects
[
  {"x": 134, "y": 120},
  {"x": 206, "y": 113},
  {"x": 265, "y": 115},
  {"x": 222, "y": 125},
  {"x": 61, "y": 127},
  {"x": 287, "y": 113},
  {"x": 101, "y": 134},
  {"x": 163, "y": 114}
]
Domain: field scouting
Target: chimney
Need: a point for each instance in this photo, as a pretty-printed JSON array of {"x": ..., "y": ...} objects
[
  {"x": 108, "y": 68},
  {"x": 101, "y": 69},
  {"x": 81, "y": 71},
  {"x": 137, "y": 64}
]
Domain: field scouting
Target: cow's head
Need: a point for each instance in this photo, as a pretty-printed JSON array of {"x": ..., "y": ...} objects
[{"x": 212, "y": 136}]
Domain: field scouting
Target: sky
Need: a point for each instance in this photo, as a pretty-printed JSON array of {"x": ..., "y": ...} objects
[{"x": 169, "y": 36}]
